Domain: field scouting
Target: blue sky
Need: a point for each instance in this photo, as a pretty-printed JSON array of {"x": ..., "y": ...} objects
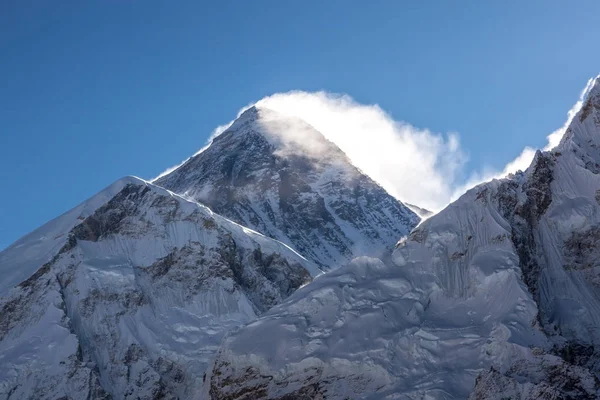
[{"x": 93, "y": 91}]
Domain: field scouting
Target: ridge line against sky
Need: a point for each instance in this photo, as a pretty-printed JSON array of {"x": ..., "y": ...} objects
[
  {"x": 94, "y": 91},
  {"x": 413, "y": 164}
]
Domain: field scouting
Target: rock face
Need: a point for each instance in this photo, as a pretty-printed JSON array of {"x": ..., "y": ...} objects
[
  {"x": 545, "y": 377},
  {"x": 502, "y": 284},
  {"x": 281, "y": 177},
  {"x": 132, "y": 294}
]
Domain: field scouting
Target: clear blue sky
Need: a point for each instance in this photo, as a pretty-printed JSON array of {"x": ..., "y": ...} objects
[{"x": 91, "y": 91}]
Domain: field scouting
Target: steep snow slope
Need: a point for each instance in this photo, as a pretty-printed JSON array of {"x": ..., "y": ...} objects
[
  {"x": 132, "y": 293},
  {"x": 503, "y": 282},
  {"x": 451, "y": 304},
  {"x": 24, "y": 257},
  {"x": 281, "y": 177}
]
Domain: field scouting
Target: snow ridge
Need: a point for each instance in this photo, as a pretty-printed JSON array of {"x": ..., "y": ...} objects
[{"x": 137, "y": 299}]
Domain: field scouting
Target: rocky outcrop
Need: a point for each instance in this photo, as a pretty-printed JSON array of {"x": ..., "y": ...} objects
[{"x": 543, "y": 377}]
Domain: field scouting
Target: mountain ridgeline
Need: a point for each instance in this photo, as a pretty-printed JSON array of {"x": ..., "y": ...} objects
[{"x": 267, "y": 266}]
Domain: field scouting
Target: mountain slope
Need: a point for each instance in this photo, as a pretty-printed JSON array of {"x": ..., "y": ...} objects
[
  {"x": 279, "y": 176},
  {"x": 132, "y": 293},
  {"x": 503, "y": 283},
  {"x": 21, "y": 259}
]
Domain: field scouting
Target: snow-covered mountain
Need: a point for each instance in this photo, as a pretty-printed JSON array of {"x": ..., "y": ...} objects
[
  {"x": 129, "y": 294},
  {"x": 281, "y": 177},
  {"x": 421, "y": 212},
  {"x": 140, "y": 292},
  {"x": 497, "y": 296}
]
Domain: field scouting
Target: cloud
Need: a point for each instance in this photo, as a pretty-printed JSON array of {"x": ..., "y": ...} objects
[{"x": 413, "y": 164}]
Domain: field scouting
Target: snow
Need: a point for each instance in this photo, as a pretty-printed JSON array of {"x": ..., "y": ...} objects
[
  {"x": 423, "y": 326},
  {"x": 20, "y": 260},
  {"x": 140, "y": 292},
  {"x": 498, "y": 281},
  {"x": 146, "y": 300}
]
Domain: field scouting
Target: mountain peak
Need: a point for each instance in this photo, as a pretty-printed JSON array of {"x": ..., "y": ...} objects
[
  {"x": 283, "y": 135},
  {"x": 250, "y": 114},
  {"x": 582, "y": 136},
  {"x": 591, "y": 98},
  {"x": 278, "y": 175},
  {"x": 595, "y": 85},
  {"x": 257, "y": 113}
]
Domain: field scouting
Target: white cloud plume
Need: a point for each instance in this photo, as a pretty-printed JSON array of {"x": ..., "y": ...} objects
[{"x": 413, "y": 164}]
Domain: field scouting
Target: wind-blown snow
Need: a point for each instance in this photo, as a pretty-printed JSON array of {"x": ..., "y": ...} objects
[{"x": 523, "y": 160}]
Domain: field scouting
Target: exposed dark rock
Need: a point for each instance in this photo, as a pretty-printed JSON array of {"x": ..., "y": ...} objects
[
  {"x": 546, "y": 377},
  {"x": 524, "y": 216},
  {"x": 582, "y": 249},
  {"x": 227, "y": 388},
  {"x": 107, "y": 219}
]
